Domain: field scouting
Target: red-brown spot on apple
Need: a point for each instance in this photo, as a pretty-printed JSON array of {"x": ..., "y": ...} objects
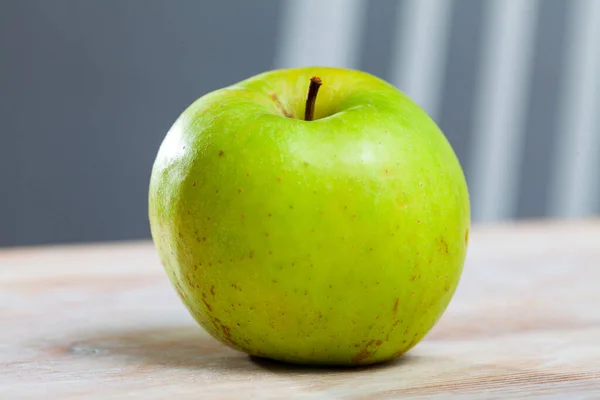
[
  {"x": 208, "y": 307},
  {"x": 179, "y": 290},
  {"x": 366, "y": 352},
  {"x": 444, "y": 246}
]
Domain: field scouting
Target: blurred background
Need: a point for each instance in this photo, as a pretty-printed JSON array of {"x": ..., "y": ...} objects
[{"x": 88, "y": 89}]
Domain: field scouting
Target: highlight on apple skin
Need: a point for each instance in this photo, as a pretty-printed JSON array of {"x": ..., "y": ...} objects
[{"x": 326, "y": 228}]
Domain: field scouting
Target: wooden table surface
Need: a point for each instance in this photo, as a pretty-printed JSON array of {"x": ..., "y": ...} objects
[{"x": 102, "y": 321}]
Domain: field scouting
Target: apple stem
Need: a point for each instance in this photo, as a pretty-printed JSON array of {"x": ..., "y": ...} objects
[{"x": 311, "y": 98}]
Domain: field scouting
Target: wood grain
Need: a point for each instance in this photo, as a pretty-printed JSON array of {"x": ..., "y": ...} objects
[{"x": 103, "y": 322}]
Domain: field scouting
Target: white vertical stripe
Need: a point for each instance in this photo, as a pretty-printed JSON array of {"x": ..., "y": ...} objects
[
  {"x": 420, "y": 54},
  {"x": 574, "y": 191},
  {"x": 317, "y": 32},
  {"x": 500, "y": 107}
]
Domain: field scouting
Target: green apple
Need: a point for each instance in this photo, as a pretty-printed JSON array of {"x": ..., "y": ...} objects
[{"x": 329, "y": 232}]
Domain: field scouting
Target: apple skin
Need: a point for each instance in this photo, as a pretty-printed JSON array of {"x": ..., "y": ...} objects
[{"x": 338, "y": 241}]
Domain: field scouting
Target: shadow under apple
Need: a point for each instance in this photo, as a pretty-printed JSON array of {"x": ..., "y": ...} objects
[{"x": 190, "y": 347}]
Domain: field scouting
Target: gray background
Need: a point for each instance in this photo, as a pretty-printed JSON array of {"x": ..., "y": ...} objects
[{"x": 89, "y": 88}]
